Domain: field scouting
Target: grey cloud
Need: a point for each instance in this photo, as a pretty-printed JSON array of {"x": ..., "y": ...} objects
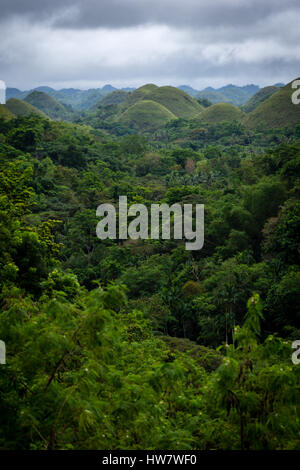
[
  {"x": 173, "y": 68},
  {"x": 130, "y": 42},
  {"x": 120, "y": 13}
]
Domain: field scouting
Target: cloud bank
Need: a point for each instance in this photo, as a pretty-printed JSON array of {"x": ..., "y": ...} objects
[{"x": 131, "y": 42}]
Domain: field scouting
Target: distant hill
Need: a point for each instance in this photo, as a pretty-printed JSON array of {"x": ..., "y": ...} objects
[
  {"x": 229, "y": 94},
  {"x": 221, "y": 112},
  {"x": 21, "y": 108},
  {"x": 213, "y": 96},
  {"x": 108, "y": 89},
  {"x": 48, "y": 105},
  {"x": 189, "y": 90},
  {"x": 146, "y": 115},
  {"x": 45, "y": 89},
  {"x": 5, "y": 113},
  {"x": 238, "y": 95},
  {"x": 116, "y": 97},
  {"x": 15, "y": 93},
  {"x": 85, "y": 99},
  {"x": 276, "y": 111},
  {"x": 259, "y": 98},
  {"x": 78, "y": 99},
  {"x": 128, "y": 89}
]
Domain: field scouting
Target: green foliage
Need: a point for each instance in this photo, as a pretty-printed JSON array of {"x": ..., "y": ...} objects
[
  {"x": 254, "y": 315},
  {"x": 271, "y": 191},
  {"x": 165, "y": 352},
  {"x": 90, "y": 378}
]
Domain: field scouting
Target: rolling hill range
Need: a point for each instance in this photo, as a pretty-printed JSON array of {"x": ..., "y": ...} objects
[
  {"x": 221, "y": 112},
  {"x": 78, "y": 99},
  {"x": 276, "y": 111},
  {"x": 86, "y": 99},
  {"x": 150, "y": 106},
  {"x": 48, "y": 105},
  {"x": 5, "y": 113},
  {"x": 259, "y": 97},
  {"x": 229, "y": 94},
  {"x": 21, "y": 108}
]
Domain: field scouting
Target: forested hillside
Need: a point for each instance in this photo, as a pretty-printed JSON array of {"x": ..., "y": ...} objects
[{"x": 141, "y": 344}]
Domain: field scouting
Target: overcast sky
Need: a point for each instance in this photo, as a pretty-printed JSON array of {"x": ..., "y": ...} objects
[{"x": 88, "y": 43}]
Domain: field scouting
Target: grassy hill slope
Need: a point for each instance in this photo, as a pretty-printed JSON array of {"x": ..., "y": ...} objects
[
  {"x": 176, "y": 101},
  {"x": 21, "y": 108},
  {"x": 146, "y": 115},
  {"x": 5, "y": 113},
  {"x": 48, "y": 105},
  {"x": 139, "y": 94},
  {"x": 259, "y": 97},
  {"x": 221, "y": 112},
  {"x": 277, "y": 111}
]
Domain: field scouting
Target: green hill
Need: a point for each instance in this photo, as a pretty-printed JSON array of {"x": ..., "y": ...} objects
[
  {"x": 5, "y": 113},
  {"x": 177, "y": 101},
  {"x": 232, "y": 94},
  {"x": 221, "y": 112},
  {"x": 48, "y": 105},
  {"x": 259, "y": 97},
  {"x": 146, "y": 115},
  {"x": 277, "y": 111},
  {"x": 79, "y": 99},
  {"x": 238, "y": 95},
  {"x": 139, "y": 94},
  {"x": 21, "y": 108}
]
